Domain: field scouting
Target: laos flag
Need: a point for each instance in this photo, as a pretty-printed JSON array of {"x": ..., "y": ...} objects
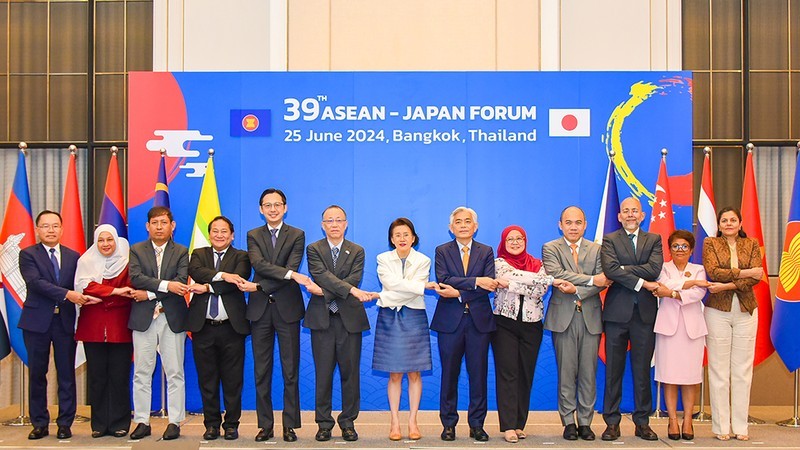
[
  {"x": 16, "y": 234},
  {"x": 786, "y": 316}
]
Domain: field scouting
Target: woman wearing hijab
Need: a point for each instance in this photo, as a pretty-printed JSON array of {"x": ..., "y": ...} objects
[
  {"x": 103, "y": 327},
  {"x": 519, "y": 311}
]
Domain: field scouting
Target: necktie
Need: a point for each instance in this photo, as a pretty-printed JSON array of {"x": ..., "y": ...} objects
[
  {"x": 333, "y": 306},
  {"x": 574, "y": 248},
  {"x": 274, "y": 233},
  {"x": 632, "y": 237},
  {"x": 213, "y": 309},
  {"x": 54, "y": 262},
  {"x": 159, "y": 257},
  {"x": 465, "y": 258}
]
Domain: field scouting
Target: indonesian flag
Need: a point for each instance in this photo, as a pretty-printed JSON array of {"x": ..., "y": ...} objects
[
  {"x": 569, "y": 122},
  {"x": 662, "y": 220}
]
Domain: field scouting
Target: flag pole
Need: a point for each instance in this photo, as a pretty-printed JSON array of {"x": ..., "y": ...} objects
[
  {"x": 701, "y": 415},
  {"x": 658, "y": 413},
  {"x": 21, "y": 419},
  {"x": 162, "y": 412}
]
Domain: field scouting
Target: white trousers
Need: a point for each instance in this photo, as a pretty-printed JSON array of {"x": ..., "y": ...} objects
[
  {"x": 731, "y": 344},
  {"x": 158, "y": 338}
]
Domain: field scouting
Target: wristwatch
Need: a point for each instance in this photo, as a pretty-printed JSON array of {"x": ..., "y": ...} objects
[{"x": 674, "y": 294}]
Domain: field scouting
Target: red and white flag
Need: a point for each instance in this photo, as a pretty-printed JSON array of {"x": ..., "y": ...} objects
[
  {"x": 662, "y": 219},
  {"x": 570, "y": 122}
]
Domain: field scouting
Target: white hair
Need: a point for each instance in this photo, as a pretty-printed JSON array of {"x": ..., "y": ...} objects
[{"x": 462, "y": 209}]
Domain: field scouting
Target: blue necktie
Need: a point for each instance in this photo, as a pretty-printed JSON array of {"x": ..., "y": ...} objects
[
  {"x": 274, "y": 233},
  {"x": 632, "y": 237},
  {"x": 54, "y": 262},
  {"x": 334, "y": 307},
  {"x": 213, "y": 311}
]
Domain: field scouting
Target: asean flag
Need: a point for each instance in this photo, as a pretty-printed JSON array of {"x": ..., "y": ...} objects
[{"x": 570, "y": 122}]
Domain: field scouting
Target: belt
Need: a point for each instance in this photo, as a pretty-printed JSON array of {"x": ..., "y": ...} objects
[
  {"x": 214, "y": 322},
  {"x": 578, "y": 306},
  {"x": 160, "y": 310},
  {"x": 56, "y": 310},
  {"x": 331, "y": 313},
  {"x": 466, "y": 309}
]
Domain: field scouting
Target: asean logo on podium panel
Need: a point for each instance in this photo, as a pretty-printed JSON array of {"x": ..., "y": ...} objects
[{"x": 251, "y": 123}]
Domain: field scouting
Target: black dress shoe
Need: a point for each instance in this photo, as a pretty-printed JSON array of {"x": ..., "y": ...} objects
[
  {"x": 478, "y": 434},
  {"x": 121, "y": 433},
  {"x": 585, "y": 432},
  {"x": 349, "y": 434},
  {"x": 264, "y": 434},
  {"x": 646, "y": 433},
  {"x": 38, "y": 433},
  {"x": 449, "y": 434},
  {"x": 570, "y": 432},
  {"x": 289, "y": 435},
  {"x": 211, "y": 433},
  {"x": 97, "y": 434},
  {"x": 63, "y": 432},
  {"x": 172, "y": 432},
  {"x": 231, "y": 434},
  {"x": 141, "y": 431},
  {"x": 611, "y": 433},
  {"x": 323, "y": 434}
]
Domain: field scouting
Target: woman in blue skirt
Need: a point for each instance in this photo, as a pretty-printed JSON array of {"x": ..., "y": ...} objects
[{"x": 402, "y": 339}]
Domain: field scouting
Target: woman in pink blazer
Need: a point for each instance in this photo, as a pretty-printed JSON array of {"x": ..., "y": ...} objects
[{"x": 680, "y": 331}]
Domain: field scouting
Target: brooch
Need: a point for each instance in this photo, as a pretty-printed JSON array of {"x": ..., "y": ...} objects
[{"x": 687, "y": 274}]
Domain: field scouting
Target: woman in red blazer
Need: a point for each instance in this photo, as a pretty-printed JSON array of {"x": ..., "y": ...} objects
[{"x": 103, "y": 327}]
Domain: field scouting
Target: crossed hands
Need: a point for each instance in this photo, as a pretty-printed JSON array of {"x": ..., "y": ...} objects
[
  {"x": 82, "y": 299},
  {"x": 363, "y": 296}
]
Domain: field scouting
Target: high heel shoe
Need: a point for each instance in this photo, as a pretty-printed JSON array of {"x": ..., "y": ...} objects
[
  {"x": 688, "y": 436},
  {"x": 670, "y": 434}
]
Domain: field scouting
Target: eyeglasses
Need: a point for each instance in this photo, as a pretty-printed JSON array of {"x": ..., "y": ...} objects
[
  {"x": 680, "y": 247},
  {"x": 276, "y": 205},
  {"x": 47, "y": 226},
  {"x": 515, "y": 240},
  {"x": 334, "y": 221}
]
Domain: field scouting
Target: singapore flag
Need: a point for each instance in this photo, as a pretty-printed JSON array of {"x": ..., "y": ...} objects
[{"x": 569, "y": 122}]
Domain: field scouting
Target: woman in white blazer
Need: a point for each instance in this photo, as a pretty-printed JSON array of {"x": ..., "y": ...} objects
[
  {"x": 402, "y": 340},
  {"x": 680, "y": 331}
]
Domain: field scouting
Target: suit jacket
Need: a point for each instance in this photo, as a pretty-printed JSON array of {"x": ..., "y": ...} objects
[
  {"x": 44, "y": 293},
  {"x": 450, "y": 270},
  {"x": 271, "y": 266},
  {"x": 201, "y": 269},
  {"x": 144, "y": 275},
  {"x": 336, "y": 284},
  {"x": 622, "y": 266},
  {"x": 689, "y": 306},
  {"x": 558, "y": 262},
  {"x": 717, "y": 261},
  {"x": 403, "y": 287}
]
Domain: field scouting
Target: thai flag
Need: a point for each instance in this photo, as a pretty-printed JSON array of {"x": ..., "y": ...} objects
[
  {"x": 16, "y": 234},
  {"x": 706, "y": 213},
  {"x": 161, "y": 197},
  {"x": 786, "y": 315},
  {"x": 112, "y": 211}
]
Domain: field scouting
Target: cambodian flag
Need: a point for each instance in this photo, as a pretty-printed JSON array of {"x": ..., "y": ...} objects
[
  {"x": 16, "y": 234},
  {"x": 112, "y": 211},
  {"x": 161, "y": 197},
  {"x": 706, "y": 213},
  {"x": 786, "y": 316}
]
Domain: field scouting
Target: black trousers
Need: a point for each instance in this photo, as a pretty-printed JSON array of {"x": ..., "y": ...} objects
[
  {"x": 109, "y": 370},
  {"x": 516, "y": 348},
  {"x": 219, "y": 357},
  {"x": 38, "y": 348},
  {"x": 263, "y": 332},
  {"x": 332, "y": 347}
]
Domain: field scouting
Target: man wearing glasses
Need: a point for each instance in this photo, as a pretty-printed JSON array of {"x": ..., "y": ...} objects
[
  {"x": 632, "y": 259},
  {"x": 48, "y": 317},
  {"x": 276, "y": 308},
  {"x": 336, "y": 318}
]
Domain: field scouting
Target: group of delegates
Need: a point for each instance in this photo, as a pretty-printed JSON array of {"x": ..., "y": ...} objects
[{"x": 132, "y": 303}]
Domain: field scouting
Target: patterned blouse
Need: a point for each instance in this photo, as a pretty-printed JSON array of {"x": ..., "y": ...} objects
[{"x": 530, "y": 286}]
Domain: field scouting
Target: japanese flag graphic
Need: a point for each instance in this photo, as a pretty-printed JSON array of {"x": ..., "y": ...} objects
[{"x": 569, "y": 122}]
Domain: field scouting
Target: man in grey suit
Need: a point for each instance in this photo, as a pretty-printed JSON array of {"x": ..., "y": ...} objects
[
  {"x": 574, "y": 318},
  {"x": 336, "y": 318},
  {"x": 632, "y": 259},
  {"x": 159, "y": 270}
]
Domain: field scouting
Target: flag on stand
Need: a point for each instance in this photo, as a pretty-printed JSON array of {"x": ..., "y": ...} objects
[
  {"x": 607, "y": 222},
  {"x": 784, "y": 330},
  {"x": 16, "y": 234},
  {"x": 662, "y": 218},
  {"x": 72, "y": 226},
  {"x": 161, "y": 197},
  {"x": 706, "y": 213},
  {"x": 112, "y": 211},
  {"x": 207, "y": 208},
  {"x": 751, "y": 224}
]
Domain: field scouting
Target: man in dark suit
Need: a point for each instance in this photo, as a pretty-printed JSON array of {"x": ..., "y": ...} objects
[
  {"x": 464, "y": 321},
  {"x": 48, "y": 318},
  {"x": 574, "y": 318},
  {"x": 219, "y": 326},
  {"x": 336, "y": 317},
  {"x": 276, "y": 308},
  {"x": 632, "y": 259},
  {"x": 158, "y": 269}
]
